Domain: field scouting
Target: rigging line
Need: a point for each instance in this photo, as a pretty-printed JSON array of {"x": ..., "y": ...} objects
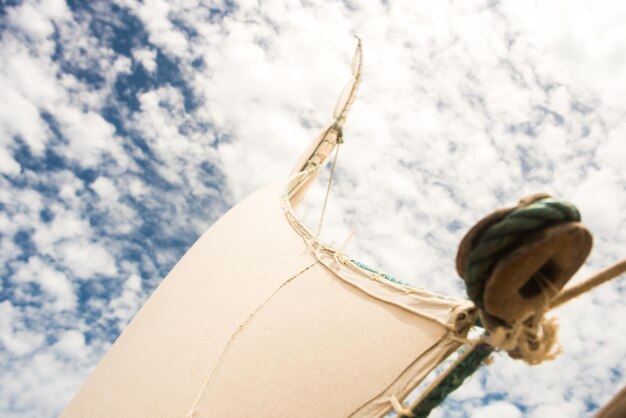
[
  {"x": 330, "y": 180},
  {"x": 597, "y": 279}
]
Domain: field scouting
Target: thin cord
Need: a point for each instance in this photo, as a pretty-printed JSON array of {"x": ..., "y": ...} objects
[
  {"x": 597, "y": 279},
  {"x": 330, "y": 180}
]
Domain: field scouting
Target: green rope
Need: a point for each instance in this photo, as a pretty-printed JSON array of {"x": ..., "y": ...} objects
[
  {"x": 502, "y": 237},
  {"x": 383, "y": 275},
  {"x": 453, "y": 381}
]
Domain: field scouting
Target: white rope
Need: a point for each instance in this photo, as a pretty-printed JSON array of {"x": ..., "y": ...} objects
[{"x": 330, "y": 180}]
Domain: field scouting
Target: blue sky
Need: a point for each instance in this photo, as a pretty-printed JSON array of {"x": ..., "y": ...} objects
[{"x": 127, "y": 128}]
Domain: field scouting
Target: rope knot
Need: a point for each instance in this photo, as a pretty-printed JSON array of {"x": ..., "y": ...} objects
[{"x": 533, "y": 340}]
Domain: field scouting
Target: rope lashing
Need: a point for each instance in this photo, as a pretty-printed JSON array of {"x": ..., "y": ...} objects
[
  {"x": 592, "y": 282},
  {"x": 514, "y": 262}
]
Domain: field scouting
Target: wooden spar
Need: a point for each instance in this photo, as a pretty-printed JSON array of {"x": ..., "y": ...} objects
[{"x": 321, "y": 147}]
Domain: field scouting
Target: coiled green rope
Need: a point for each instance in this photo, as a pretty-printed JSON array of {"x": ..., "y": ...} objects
[{"x": 502, "y": 237}]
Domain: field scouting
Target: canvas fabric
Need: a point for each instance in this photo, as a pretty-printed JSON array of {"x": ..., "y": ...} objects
[{"x": 258, "y": 319}]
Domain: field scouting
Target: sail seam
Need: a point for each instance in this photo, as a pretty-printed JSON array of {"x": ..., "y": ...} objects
[{"x": 196, "y": 404}]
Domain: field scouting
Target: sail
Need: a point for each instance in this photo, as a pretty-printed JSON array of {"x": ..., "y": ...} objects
[{"x": 259, "y": 319}]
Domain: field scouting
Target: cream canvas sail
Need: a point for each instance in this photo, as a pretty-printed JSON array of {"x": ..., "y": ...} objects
[{"x": 259, "y": 318}]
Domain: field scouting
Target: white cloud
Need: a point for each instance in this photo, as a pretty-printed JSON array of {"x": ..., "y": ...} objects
[
  {"x": 89, "y": 137},
  {"x": 71, "y": 344},
  {"x": 105, "y": 189},
  {"x": 7, "y": 164},
  {"x": 15, "y": 338},
  {"x": 53, "y": 282},
  {"x": 155, "y": 16},
  {"x": 137, "y": 188},
  {"x": 601, "y": 199},
  {"x": 21, "y": 118},
  {"x": 586, "y": 46},
  {"x": 86, "y": 259},
  {"x": 32, "y": 76},
  {"x": 497, "y": 410},
  {"x": 147, "y": 58},
  {"x": 126, "y": 304},
  {"x": 67, "y": 225},
  {"x": 562, "y": 410},
  {"x": 69, "y": 187},
  {"x": 42, "y": 369},
  {"x": 29, "y": 19}
]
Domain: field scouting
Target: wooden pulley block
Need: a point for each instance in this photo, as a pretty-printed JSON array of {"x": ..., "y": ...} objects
[
  {"x": 524, "y": 280},
  {"x": 532, "y": 270}
]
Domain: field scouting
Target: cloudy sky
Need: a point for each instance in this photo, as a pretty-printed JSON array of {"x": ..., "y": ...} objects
[{"x": 127, "y": 128}]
